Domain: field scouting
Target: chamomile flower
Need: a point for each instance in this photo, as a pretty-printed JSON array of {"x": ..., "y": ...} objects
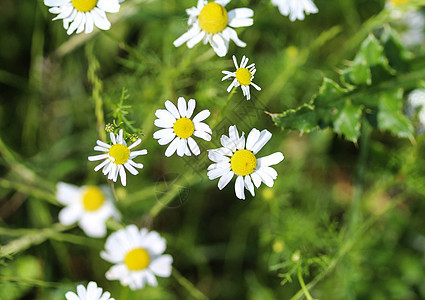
[
  {"x": 178, "y": 128},
  {"x": 211, "y": 23},
  {"x": 295, "y": 9},
  {"x": 92, "y": 293},
  {"x": 90, "y": 206},
  {"x": 138, "y": 257},
  {"x": 83, "y": 14},
  {"x": 117, "y": 157},
  {"x": 239, "y": 158},
  {"x": 243, "y": 77}
]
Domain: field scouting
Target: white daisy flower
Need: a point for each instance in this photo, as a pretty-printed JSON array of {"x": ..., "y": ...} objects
[
  {"x": 295, "y": 9},
  {"x": 211, "y": 23},
  {"x": 178, "y": 128},
  {"x": 92, "y": 293},
  {"x": 137, "y": 255},
  {"x": 90, "y": 206},
  {"x": 116, "y": 157},
  {"x": 83, "y": 14},
  {"x": 236, "y": 157},
  {"x": 243, "y": 77}
]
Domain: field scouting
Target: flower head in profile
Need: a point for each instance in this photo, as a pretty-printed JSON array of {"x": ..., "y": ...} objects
[
  {"x": 117, "y": 157},
  {"x": 138, "y": 257},
  {"x": 243, "y": 77},
  {"x": 90, "y": 206},
  {"x": 239, "y": 158},
  {"x": 211, "y": 23},
  {"x": 178, "y": 128},
  {"x": 295, "y": 9},
  {"x": 91, "y": 293},
  {"x": 83, "y": 15}
]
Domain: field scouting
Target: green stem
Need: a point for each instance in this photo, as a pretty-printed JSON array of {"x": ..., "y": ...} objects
[
  {"x": 97, "y": 87},
  {"x": 215, "y": 121},
  {"x": 355, "y": 215},
  {"x": 302, "y": 283},
  {"x": 193, "y": 291}
]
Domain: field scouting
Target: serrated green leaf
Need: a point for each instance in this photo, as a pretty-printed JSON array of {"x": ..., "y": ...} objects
[
  {"x": 390, "y": 116},
  {"x": 347, "y": 122},
  {"x": 397, "y": 55},
  {"x": 303, "y": 119},
  {"x": 369, "y": 65}
]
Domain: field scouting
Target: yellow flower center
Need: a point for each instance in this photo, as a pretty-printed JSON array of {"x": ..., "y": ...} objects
[
  {"x": 137, "y": 259},
  {"x": 399, "y": 2},
  {"x": 93, "y": 198},
  {"x": 243, "y": 75},
  {"x": 120, "y": 153},
  {"x": 84, "y": 5},
  {"x": 213, "y": 18},
  {"x": 184, "y": 128},
  {"x": 243, "y": 162}
]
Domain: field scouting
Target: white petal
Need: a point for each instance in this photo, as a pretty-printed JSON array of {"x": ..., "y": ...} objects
[
  {"x": 225, "y": 179},
  {"x": 111, "y": 6},
  {"x": 172, "y": 109},
  {"x": 131, "y": 169},
  {"x": 123, "y": 175},
  {"x": 165, "y": 114},
  {"x": 165, "y": 140},
  {"x": 256, "y": 179},
  {"x": 253, "y": 137},
  {"x": 231, "y": 34},
  {"x": 191, "y": 33},
  {"x": 135, "y": 144},
  {"x": 172, "y": 147},
  {"x": 239, "y": 13},
  {"x": 162, "y": 265},
  {"x": 239, "y": 188},
  {"x": 89, "y": 22},
  {"x": 249, "y": 186},
  {"x": 201, "y": 116},
  {"x": 190, "y": 108},
  {"x": 181, "y": 104},
  {"x": 219, "y": 45},
  {"x": 203, "y": 127},
  {"x": 69, "y": 215},
  {"x": 213, "y": 174},
  {"x": 162, "y": 133},
  {"x": 181, "y": 147},
  {"x": 193, "y": 146},
  {"x": 164, "y": 123},
  {"x": 203, "y": 135},
  {"x": 270, "y": 160},
  {"x": 265, "y": 177},
  {"x": 265, "y": 136}
]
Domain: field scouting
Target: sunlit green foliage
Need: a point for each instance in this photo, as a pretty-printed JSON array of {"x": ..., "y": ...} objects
[{"x": 343, "y": 221}]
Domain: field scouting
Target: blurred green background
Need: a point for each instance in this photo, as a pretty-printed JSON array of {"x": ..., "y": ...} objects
[{"x": 304, "y": 229}]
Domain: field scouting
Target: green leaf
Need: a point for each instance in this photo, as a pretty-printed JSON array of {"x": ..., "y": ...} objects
[
  {"x": 369, "y": 91},
  {"x": 397, "y": 55},
  {"x": 347, "y": 122},
  {"x": 369, "y": 65},
  {"x": 303, "y": 119},
  {"x": 390, "y": 116}
]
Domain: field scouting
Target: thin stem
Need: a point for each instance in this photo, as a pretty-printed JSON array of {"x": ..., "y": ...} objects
[
  {"x": 193, "y": 291},
  {"x": 97, "y": 90},
  {"x": 360, "y": 171},
  {"x": 302, "y": 283},
  {"x": 221, "y": 111}
]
